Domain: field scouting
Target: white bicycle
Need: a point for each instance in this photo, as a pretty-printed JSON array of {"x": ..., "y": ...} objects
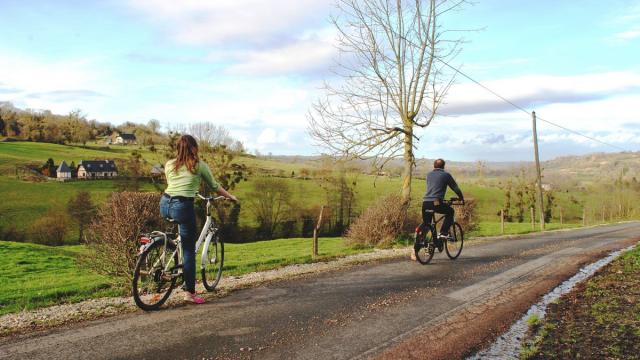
[{"x": 159, "y": 264}]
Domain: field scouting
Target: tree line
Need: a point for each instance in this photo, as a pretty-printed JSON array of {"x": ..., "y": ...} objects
[{"x": 73, "y": 128}]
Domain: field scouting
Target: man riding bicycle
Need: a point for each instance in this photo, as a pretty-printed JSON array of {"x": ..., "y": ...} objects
[{"x": 433, "y": 201}]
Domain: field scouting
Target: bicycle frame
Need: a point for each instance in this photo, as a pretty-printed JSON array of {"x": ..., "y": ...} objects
[{"x": 206, "y": 235}]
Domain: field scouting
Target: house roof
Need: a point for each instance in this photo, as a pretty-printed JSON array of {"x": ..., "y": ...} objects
[
  {"x": 98, "y": 165},
  {"x": 157, "y": 169},
  {"x": 63, "y": 168},
  {"x": 126, "y": 136}
]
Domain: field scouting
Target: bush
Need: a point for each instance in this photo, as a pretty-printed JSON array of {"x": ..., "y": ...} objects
[
  {"x": 380, "y": 224},
  {"x": 466, "y": 215},
  {"x": 50, "y": 229},
  {"x": 113, "y": 235},
  {"x": 11, "y": 233}
]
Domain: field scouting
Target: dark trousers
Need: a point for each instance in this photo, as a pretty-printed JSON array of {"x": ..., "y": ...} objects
[
  {"x": 440, "y": 209},
  {"x": 184, "y": 214}
]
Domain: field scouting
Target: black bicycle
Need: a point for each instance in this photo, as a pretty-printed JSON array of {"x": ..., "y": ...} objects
[{"x": 426, "y": 237}]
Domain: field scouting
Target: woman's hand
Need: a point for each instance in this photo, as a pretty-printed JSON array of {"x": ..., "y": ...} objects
[{"x": 232, "y": 198}]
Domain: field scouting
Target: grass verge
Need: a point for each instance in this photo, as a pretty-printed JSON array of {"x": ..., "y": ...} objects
[{"x": 599, "y": 319}]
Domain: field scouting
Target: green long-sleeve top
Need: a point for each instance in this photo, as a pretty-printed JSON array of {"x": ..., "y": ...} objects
[{"x": 185, "y": 183}]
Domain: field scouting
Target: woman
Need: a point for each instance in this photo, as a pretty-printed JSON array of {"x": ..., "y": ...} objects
[{"x": 183, "y": 182}]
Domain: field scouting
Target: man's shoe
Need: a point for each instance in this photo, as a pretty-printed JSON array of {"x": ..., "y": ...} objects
[{"x": 441, "y": 240}]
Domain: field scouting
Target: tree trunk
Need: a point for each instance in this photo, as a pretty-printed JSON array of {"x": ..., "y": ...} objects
[{"x": 408, "y": 163}]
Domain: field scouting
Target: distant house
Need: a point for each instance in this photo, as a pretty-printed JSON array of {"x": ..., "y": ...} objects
[
  {"x": 63, "y": 172},
  {"x": 126, "y": 139},
  {"x": 97, "y": 169},
  {"x": 157, "y": 170}
]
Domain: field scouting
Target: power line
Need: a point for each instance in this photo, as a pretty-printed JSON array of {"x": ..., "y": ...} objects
[{"x": 525, "y": 110}]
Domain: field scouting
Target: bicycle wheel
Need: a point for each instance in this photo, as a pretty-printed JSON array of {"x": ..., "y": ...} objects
[
  {"x": 152, "y": 284},
  {"x": 213, "y": 261},
  {"x": 424, "y": 247},
  {"x": 453, "y": 246}
]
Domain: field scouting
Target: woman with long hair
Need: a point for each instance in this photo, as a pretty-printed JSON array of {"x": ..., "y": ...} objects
[{"x": 184, "y": 174}]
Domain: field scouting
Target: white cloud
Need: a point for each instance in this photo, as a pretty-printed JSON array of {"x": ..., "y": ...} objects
[
  {"x": 56, "y": 86},
  {"x": 535, "y": 91},
  {"x": 206, "y": 22},
  {"x": 313, "y": 54},
  {"x": 627, "y": 35}
]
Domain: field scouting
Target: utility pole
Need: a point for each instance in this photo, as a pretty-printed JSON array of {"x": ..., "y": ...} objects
[{"x": 535, "y": 149}]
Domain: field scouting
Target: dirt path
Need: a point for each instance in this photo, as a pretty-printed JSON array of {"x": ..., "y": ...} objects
[{"x": 391, "y": 309}]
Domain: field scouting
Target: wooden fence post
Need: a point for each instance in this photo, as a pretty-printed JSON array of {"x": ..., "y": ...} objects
[
  {"x": 533, "y": 219},
  {"x": 314, "y": 252},
  {"x": 502, "y": 221}
]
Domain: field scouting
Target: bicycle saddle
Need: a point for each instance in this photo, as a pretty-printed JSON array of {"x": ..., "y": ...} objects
[{"x": 171, "y": 220}]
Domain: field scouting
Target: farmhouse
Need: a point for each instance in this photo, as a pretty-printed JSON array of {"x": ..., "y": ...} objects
[
  {"x": 124, "y": 138},
  {"x": 63, "y": 172},
  {"x": 157, "y": 170},
  {"x": 95, "y": 169}
]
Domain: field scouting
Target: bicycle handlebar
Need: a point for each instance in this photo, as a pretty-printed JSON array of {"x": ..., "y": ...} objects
[
  {"x": 455, "y": 201},
  {"x": 211, "y": 198}
]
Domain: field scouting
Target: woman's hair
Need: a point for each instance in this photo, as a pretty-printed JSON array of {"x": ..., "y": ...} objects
[{"x": 187, "y": 148}]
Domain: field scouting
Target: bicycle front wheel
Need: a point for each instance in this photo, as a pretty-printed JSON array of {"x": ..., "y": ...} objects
[
  {"x": 453, "y": 246},
  {"x": 213, "y": 260},
  {"x": 424, "y": 246},
  {"x": 153, "y": 278}
]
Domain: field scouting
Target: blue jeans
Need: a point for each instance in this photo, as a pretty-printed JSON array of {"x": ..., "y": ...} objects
[{"x": 183, "y": 213}]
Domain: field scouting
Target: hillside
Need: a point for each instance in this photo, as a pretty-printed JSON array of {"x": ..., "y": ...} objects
[{"x": 24, "y": 202}]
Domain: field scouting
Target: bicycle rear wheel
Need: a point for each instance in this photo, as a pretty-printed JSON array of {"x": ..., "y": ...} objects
[
  {"x": 424, "y": 246},
  {"x": 453, "y": 246},
  {"x": 213, "y": 262},
  {"x": 152, "y": 284}
]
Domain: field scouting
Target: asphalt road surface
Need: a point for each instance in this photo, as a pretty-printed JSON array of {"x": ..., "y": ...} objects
[{"x": 391, "y": 309}]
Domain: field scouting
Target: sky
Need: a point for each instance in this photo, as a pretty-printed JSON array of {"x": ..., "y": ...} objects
[{"x": 256, "y": 66}]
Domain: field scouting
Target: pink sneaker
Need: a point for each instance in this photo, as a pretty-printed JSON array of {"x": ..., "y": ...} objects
[{"x": 194, "y": 298}]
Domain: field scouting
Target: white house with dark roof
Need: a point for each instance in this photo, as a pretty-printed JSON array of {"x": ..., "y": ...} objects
[
  {"x": 64, "y": 171},
  {"x": 97, "y": 169},
  {"x": 125, "y": 138},
  {"x": 157, "y": 170}
]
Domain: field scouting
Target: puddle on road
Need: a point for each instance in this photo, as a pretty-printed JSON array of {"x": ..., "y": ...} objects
[{"x": 509, "y": 344}]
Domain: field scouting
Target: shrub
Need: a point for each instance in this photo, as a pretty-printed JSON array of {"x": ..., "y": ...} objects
[
  {"x": 113, "y": 235},
  {"x": 466, "y": 215},
  {"x": 380, "y": 224},
  {"x": 11, "y": 233},
  {"x": 49, "y": 229}
]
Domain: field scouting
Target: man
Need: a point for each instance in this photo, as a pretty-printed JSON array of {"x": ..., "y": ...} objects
[{"x": 437, "y": 182}]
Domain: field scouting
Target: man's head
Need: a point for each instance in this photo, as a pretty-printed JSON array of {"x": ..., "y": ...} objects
[{"x": 438, "y": 164}]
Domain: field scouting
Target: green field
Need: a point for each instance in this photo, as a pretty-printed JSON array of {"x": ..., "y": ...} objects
[
  {"x": 35, "y": 276},
  {"x": 24, "y": 202}
]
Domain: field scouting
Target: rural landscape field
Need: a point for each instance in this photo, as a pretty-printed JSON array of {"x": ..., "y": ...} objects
[
  {"x": 347, "y": 179},
  {"x": 28, "y": 200}
]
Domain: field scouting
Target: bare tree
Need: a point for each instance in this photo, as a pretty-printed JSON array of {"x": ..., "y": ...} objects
[
  {"x": 270, "y": 203},
  {"x": 210, "y": 135},
  {"x": 392, "y": 80}
]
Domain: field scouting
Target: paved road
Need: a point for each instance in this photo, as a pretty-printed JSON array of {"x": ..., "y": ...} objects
[{"x": 365, "y": 311}]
